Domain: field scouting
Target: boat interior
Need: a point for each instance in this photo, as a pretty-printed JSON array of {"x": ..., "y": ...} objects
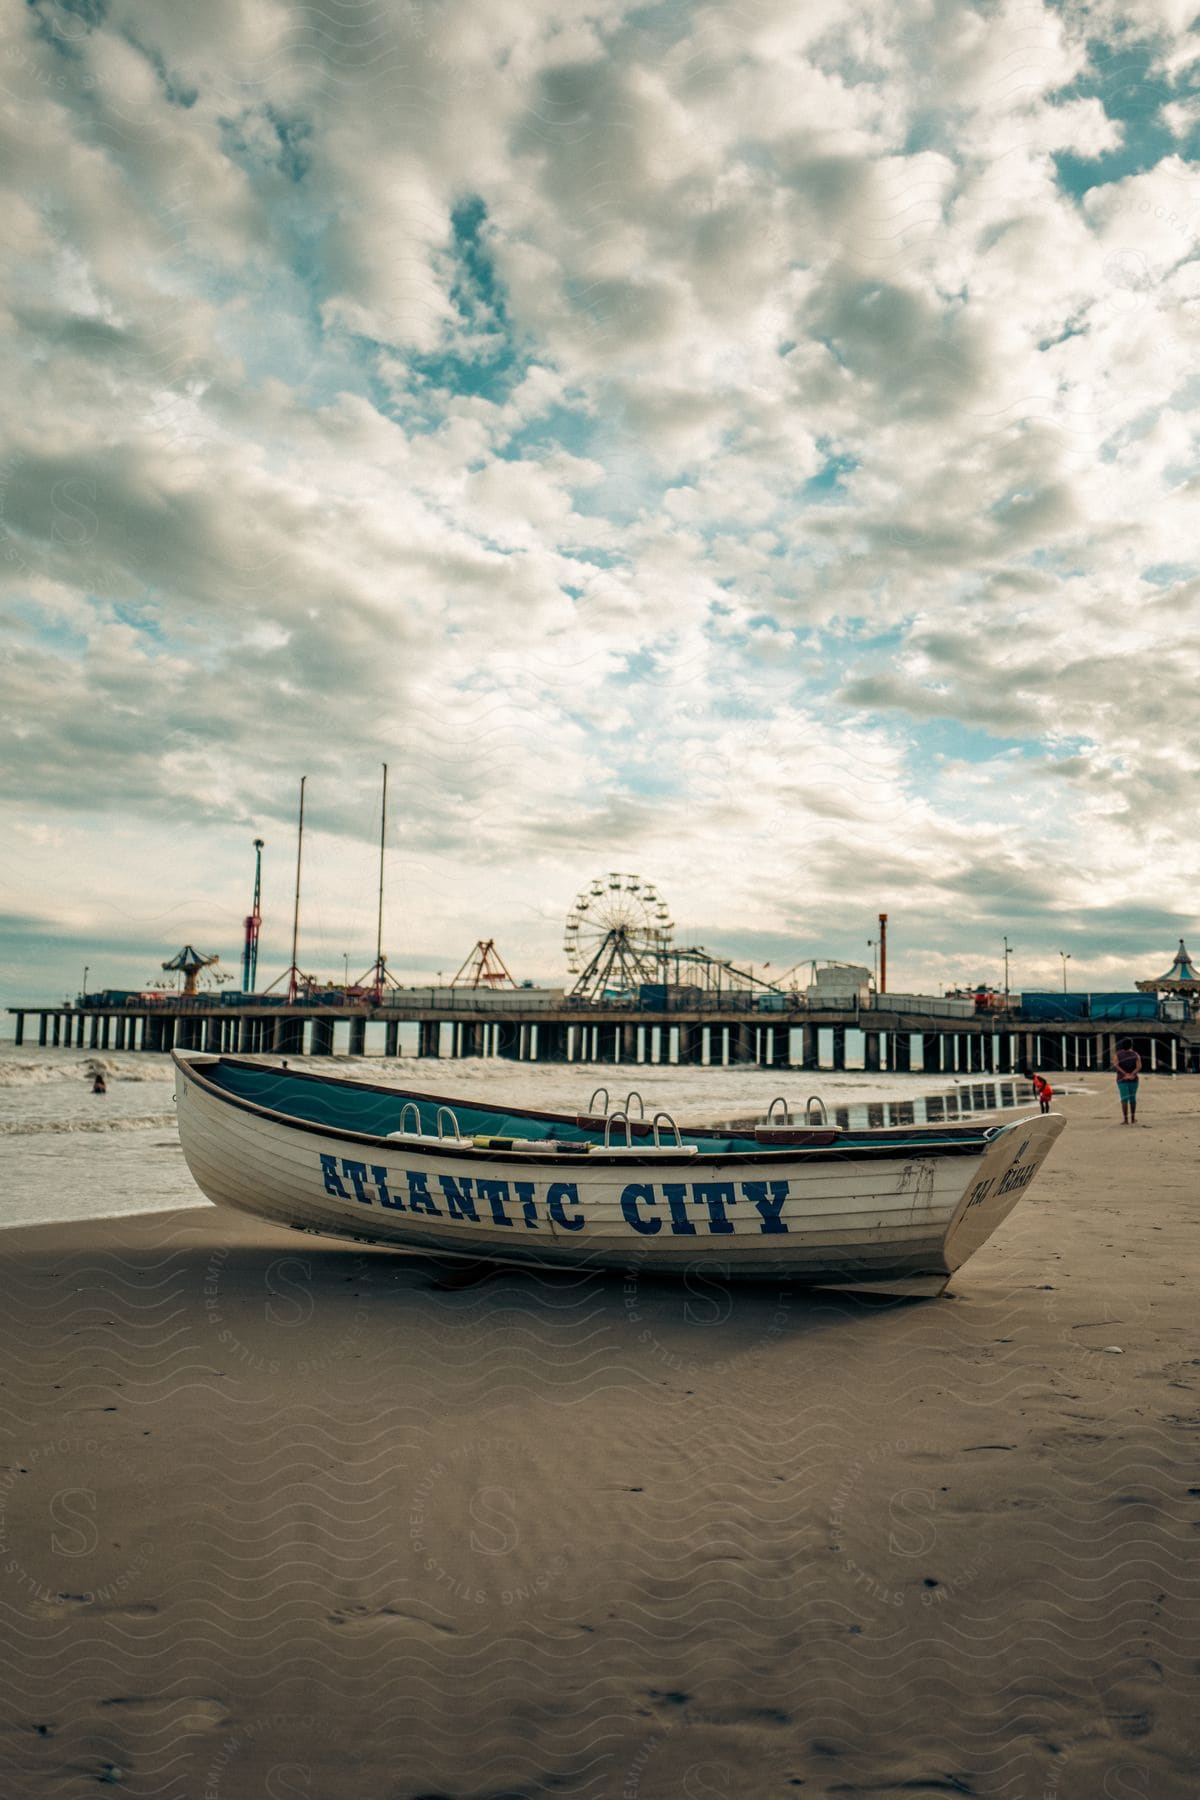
[{"x": 382, "y": 1113}]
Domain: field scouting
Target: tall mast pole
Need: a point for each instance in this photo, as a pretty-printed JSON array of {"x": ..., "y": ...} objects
[
  {"x": 258, "y": 850},
  {"x": 292, "y": 972},
  {"x": 379, "y": 926},
  {"x": 883, "y": 953}
]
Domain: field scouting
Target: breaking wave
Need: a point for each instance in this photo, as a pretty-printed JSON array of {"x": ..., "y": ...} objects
[
  {"x": 70, "y": 1127},
  {"x": 47, "y": 1072}
]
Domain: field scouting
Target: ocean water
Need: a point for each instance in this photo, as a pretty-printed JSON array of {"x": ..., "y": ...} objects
[{"x": 66, "y": 1153}]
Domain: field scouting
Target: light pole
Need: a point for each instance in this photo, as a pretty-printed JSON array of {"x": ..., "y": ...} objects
[
  {"x": 346, "y": 968},
  {"x": 1066, "y": 957},
  {"x": 85, "y": 976},
  {"x": 1008, "y": 950}
]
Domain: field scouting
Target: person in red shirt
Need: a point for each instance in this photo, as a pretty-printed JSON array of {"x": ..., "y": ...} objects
[{"x": 1043, "y": 1091}]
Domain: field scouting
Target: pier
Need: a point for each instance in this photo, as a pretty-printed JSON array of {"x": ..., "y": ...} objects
[{"x": 719, "y": 1031}]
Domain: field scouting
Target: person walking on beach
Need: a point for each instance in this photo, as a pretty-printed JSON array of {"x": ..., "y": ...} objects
[{"x": 1127, "y": 1064}]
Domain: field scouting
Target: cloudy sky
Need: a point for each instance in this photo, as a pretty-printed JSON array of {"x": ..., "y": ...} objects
[{"x": 749, "y": 445}]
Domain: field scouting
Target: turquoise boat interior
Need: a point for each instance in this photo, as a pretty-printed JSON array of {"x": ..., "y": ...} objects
[{"x": 342, "y": 1105}]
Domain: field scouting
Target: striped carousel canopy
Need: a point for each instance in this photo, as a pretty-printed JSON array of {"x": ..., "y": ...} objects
[{"x": 1181, "y": 977}]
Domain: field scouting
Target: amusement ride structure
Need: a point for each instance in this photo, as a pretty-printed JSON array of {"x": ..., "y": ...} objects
[
  {"x": 191, "y": 964},
  {"x": 253, "y": 926},
  {"x": 617, "y": 940},
  {"x": 484, "y": 968},
  {"x": 616, "y": 936}
]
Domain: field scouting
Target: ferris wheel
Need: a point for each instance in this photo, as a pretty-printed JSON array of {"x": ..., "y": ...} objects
[{"x": 616, "y": 934}]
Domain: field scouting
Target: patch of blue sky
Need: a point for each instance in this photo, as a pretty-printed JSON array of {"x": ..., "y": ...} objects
[
  {"x": 51, "y": 633},
  {"x": 848, "y": 648},
  {"x": 175, "y": 92},
  {"x": 271, "y": 322},
  {"x": 657, "y": 14},
  {"x": 929, "y": 129},
  {"x": 278, "y": 336},
  {"x": 1053, "y": 560},
  {"x": 294, "y": 135},
  {"x": 610, "y": 505},
  {"x": 649, "y": 780},
  {"x": 640, "y": 665},
  {"x": 1139, "y": 426},
  {"x": 622, "y": 498},
  {"x": 646, "y": 672},
  {"x": 278, "y": 332},
  {"x": 829, "y": 481},
  {"x": 279, "y": 149},
  {"x": 142, "y": 620},
  {"x": 1167, "y": 574},
  {"x": 1064, "y": 749},
  {"x": 1119, "y": 76},
  {"x": 558, "y": 428},
  {"x": 653, "y": 28},
  {"x": 952, "y": 741},
  {"x": 484, "y": 359},
  {"x": 856, "y": 637},
  {"x": 745, "y": 643},
  {"x": 1070, "y": 330},
  {"x": 489, "y": 374},
  {"x": 67, "y": 43},
  {"x": 592, "y": 556}
]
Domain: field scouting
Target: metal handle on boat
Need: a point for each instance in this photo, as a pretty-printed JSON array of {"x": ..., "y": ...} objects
[
  {"x": 618, "y": 1118},
  {"x": 671, "y": 1123},
  {"x": 410, "y": 1106},
  {"x": 592, "y": 1102},
  {"x": 808, "y": 1118},
  {"x": 779, "y": 1101},
  {"x": 443, "y": 1112},
  {"x": 634, "y": 1095}
]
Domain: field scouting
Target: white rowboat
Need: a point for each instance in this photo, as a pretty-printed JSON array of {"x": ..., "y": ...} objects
[{"x": 897, "y": 1209}]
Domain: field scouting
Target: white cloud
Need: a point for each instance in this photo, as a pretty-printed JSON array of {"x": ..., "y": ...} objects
[{"x": 294, "y": 483}]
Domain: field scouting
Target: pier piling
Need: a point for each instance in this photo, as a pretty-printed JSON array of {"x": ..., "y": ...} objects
[{"x": 713, "y": 1034}]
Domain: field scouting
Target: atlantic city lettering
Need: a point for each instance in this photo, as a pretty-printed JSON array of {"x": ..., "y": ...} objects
[{"x": 682, "y": 1209}]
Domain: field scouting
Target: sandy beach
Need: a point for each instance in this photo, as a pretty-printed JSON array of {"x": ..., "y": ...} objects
[{"x": 284, "y": 1518}]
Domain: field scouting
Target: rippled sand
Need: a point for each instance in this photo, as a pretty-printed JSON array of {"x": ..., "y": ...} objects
[{"x": 282, "y": 1517}]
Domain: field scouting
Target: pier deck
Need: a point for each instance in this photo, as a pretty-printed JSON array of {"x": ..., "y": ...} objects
[{"x": 722, "y": 1031}]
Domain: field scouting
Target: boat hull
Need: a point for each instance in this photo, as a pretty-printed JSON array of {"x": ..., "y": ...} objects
[{"x": 902, "y": 1221}]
